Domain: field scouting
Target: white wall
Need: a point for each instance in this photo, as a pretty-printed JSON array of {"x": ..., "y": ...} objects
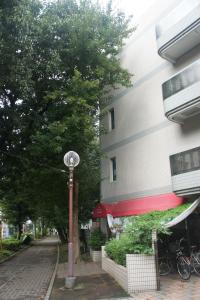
[{"x": 143, "y": 138}]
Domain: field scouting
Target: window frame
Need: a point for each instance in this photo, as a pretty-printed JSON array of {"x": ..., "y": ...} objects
[
  {"x": 111, "y": 119},
  {"x": 113, "y": 169},
  {"x": 178, "y": 161}
]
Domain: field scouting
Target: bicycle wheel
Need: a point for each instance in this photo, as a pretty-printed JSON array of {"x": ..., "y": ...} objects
[
  {"x": 183, "y": 267},
  {"x": 164, "y": 267},
  {"x": 196, "y": 265}
]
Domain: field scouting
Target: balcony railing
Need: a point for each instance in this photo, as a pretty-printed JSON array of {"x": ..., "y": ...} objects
[
  {"x": 179, "y": 31},
  {"x": 181, "y": 94},
  {"x": 185, "y": 171}
]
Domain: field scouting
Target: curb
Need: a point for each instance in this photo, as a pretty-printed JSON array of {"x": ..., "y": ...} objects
[
  {"x": 14, "y": 254},
  {"x": 48, "y": 294}
]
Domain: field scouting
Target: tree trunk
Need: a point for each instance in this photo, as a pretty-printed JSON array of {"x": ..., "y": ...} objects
[
  {"x": 62, "y": 235},
  {"x": 76, "y": 240},
  {"x": 1, "y": 247},
  {"x": 35, "y": 229},
  {"x": 42, "y": 227},
  {"x": 19, "y": 231}
]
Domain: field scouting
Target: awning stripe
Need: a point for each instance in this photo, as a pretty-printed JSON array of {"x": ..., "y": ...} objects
[{"x": 137, "y": 206}]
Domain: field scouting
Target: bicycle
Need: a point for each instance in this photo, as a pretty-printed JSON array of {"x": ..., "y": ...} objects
[
  {"x": 165, "y": 266},
  {"x": 187, "y": 265},
  {"x": 183, "y": 264},
  {"x": 195, "y": 260}
]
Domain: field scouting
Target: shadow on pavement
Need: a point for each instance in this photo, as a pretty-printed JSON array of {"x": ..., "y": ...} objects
[{"x": 92, "y": 287}]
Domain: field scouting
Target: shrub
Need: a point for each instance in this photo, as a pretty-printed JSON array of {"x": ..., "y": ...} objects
[
  {"x": 38, "y": 235},
  {"x": 137, "y": 237},
  {"x": 26, "y": 239},
  {"x": 117, "y": 249},
  {"x": 97, "y": 239},
  {"x": 11, "y": 245},
  {"x": 4, "y": 254}
]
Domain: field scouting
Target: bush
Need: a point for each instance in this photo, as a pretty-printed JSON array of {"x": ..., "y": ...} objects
[
  {"x": 117, "y": 249},
  {"x": 26, "y": 239},
  {"x": 4, "y": 254},
  {"x": 38, "y": 236},
  {"x": 137, "y": 238},
  {"x": 97, "y": 239},
  {"x": 11, "y": 245}
]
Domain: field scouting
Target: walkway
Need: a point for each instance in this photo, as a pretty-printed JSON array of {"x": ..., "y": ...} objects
[
  {"x": 94, "y": 284},
  {"x": 27, "y": 275},
  {"x": 173, "y": 288}
]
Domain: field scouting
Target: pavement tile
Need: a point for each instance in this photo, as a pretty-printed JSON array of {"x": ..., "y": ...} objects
[
  {"x": 97, "y": 286},
  {"x": 27, "y": 275},
  {"x": 100, "y": 286}
]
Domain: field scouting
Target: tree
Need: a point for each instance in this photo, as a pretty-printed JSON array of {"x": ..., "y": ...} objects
[{"x": 57, "y": 61}]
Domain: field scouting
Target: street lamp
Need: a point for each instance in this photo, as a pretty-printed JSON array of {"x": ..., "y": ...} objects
[
  {"x": 1, "y": 247},
  {"x": 71, "y": 160}
]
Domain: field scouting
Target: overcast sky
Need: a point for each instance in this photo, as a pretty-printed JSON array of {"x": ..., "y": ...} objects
[
  {"x": 129, "y": 7},
  {"x": 133, "y": 7}
]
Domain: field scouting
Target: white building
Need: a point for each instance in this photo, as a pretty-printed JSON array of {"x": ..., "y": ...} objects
[{"x": 152, "y": 147}]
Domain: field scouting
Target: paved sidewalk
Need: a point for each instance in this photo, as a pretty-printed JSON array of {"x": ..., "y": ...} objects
[
  {"x": 27, "y": 275},
  {"x": 173, "y": 288},
  {"x": 94, "y": 284},
  {"x": 80, "y": 269}
]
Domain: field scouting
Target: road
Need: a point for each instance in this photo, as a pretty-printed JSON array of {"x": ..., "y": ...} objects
[{"x": 27, "y": 275}]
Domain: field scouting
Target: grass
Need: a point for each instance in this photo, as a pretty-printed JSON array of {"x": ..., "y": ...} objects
[{"x": 4, "y": 254}]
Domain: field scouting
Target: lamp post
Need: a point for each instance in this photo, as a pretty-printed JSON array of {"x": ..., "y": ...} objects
[
  {"x": 1, "y": 247},
  {"x": 71, "y": 160}
]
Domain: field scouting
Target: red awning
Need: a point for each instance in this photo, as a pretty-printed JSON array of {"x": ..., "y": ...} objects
[
  {"x": 101, "y": 210},
  {"x": 137, "y": 206}
]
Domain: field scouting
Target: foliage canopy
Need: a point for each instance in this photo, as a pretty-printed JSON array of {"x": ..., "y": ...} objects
[{"x": 57, "y": 61}]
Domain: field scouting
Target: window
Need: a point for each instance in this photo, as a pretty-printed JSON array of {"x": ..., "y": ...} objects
[
  {"x": 181, "y": 81},
  {"x": 113, "y": 169},
  {"x": 112, "y": 119},
  {"x": 186, "y": 161}
]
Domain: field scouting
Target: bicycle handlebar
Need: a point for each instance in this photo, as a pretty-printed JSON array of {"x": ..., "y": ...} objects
[{"x": 181, "y": 240}]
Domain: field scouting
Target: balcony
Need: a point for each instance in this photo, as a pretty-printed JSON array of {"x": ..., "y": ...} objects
[
  {"x": 179, "y": 31},
  {"x": 185, "y": 171},
  {"x": 181, "y": 94}
]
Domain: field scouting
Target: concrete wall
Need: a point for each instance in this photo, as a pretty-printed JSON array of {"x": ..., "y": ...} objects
[
  {"x": 138, "y": 275},
  {"x": 143, "y": 137},
  {"x": 117, "y": 271},
  {"x": 141, "y": 272}
]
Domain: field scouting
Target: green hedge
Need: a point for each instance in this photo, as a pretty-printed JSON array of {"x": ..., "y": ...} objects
[
  {"x": 26, "y": 239},
  {"x": 137, "y": 236},
  {"x": 97, "y": 239},
  {"x": 117, "y": 249},
  {"x": 11, "y": 245},
  {"x": 4, "y": 254}
]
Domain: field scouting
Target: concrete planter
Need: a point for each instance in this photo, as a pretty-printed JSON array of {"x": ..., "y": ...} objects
[
  {"x": 138, "y": 275},
  {"x": 141, "y": 271},
  {"x": 118, "y": 272},
  {"x": 95, "y": 255}
]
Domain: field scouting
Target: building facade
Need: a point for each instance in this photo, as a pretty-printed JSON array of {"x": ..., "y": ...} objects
[{"x": 152, "y": 144}]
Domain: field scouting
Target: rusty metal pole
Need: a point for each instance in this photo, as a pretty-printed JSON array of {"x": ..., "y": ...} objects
[
  {"x": 70, "y": 242},
  {"x": 1, "y": 244},
  {"x": 71, "y": 160}
]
